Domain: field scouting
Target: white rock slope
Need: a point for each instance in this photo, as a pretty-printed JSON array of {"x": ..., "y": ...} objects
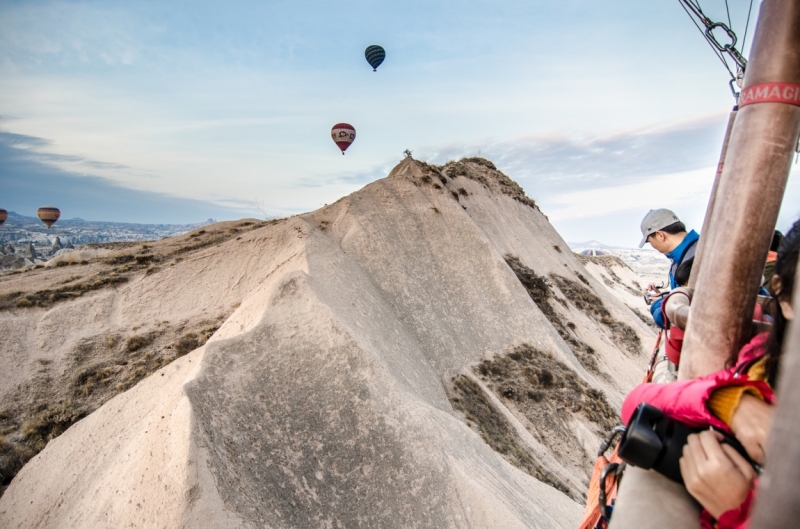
[{"x": 321, "y": 401}]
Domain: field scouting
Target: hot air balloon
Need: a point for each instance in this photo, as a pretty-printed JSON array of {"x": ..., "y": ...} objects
[
  {"x": 343, "y": 134},
  {"x": 3, "y": 216},
  {"x": 375, "y": 55},
  {"x": 49, "y": 215}
]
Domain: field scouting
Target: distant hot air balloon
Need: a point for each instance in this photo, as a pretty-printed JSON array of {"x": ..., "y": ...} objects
[
  {"x": 375, "y": 55},
  {"x": 343, "y": 134},
  {"x": 49, "y": 215},
  {"x": 3, "y": 216}
]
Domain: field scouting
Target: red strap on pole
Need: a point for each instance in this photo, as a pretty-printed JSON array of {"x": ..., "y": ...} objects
[
  {"x": 592, "y": 514},
  {"x": 788, "y": 93},
  {"x": 648, "y": 374}
]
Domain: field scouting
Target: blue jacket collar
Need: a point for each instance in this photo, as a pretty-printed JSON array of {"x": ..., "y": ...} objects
[{"x": 677, "y": 254}]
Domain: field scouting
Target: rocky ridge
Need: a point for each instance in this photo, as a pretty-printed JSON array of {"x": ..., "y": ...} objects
[{"x": 377, "y": 362}]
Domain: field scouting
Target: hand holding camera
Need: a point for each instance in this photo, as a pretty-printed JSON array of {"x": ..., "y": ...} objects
[
  {"x": 652, "y": 292},
  {"x": 654, "y": 441},
  {"x": 715, "y": 473},
  {"x": 714, "y": 466}
]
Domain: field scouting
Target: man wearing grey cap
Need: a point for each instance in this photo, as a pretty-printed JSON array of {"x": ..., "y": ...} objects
[{"x": 666, "y": 233}]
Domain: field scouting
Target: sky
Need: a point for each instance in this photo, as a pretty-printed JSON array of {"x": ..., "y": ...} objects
[{"x": 183, "y": 111}]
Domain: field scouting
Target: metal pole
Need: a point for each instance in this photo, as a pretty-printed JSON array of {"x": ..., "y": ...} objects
[
  {"x": 778, "y": 501},
  {"x": 737, "y": 233},
  {"x": 751, "y": 188},
  {"x": 698, "y": 255}
]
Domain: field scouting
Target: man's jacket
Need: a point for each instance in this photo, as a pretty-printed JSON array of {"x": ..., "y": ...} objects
[{"x": 685, "y": 250}]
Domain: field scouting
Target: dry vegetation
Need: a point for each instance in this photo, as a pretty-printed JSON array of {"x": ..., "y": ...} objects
[
  {"x": 97, "y": 369},
  {"x": 585, "y": 300},
  {"x": 483, "y": 171},
  {"x": 102, "y": 366},
  {"x": 468, "y": 398},
  {"x": 50, "y": 296},
  {"x": 544, "y": 392},
  {"x": 540, "y": 290},
  {"x": 126, "y": 260},
  {"x": 478, "y": 169},
  {"x": 527, "y": 373}
]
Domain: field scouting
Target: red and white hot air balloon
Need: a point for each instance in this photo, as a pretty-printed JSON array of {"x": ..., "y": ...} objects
[
  {"x": 3, "y": 216},
  {"x": 343, "y": 134}
]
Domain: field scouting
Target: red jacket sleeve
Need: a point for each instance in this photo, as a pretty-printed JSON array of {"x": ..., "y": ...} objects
[
  {"x": 734, "y": 519},
  {"x": 686, "y": 400}
]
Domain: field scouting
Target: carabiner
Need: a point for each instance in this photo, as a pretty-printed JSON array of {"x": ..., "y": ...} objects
[
  {"x": 602, "y": 497},
  {"x": 710, "y": 34},
  {"x": 610, "y": 439},
  {"x": 733, "y": 90}
]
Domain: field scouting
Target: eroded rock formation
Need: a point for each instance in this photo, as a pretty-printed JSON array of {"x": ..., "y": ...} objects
[{"x": 366, "y": 354}]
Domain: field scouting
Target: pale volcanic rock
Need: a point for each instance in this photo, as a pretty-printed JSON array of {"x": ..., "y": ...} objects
[
  {"x": 620, "y": 279},
  {"x": 321, "y": 400},
  {"x": 30, "y": 253},
  {"x": 14, "y": 261}
]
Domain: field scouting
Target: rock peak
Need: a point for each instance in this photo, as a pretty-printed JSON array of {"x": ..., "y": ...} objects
[{"x": 474, "y": 168}]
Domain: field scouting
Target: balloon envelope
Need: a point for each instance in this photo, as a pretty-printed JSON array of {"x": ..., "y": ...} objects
[
  {"x": 343, "y": 134},
  {"x": 375, "y": 55},
  {"x": 3, "y": 216},
  {"x": 48, "y": 214}
]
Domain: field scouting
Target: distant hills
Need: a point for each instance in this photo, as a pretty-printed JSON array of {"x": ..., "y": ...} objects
[
  {"x": 23, "y": 230},
  {"x": 592, "y": 244}
]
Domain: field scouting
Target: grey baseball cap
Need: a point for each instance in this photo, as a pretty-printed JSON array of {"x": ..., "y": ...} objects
[{"x": 656, "y": 219}]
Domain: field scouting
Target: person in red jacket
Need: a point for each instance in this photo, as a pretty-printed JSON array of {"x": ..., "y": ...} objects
[{"x": 737, "y": 400}]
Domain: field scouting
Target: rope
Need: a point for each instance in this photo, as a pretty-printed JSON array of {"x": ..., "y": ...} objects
[
  {"x": 699, "y": 13},
  {"x": 728, "y": 11},
  {"x": 747, "y": 24}
]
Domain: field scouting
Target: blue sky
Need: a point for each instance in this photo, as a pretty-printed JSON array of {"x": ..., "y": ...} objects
[{"x": 146, "y": 112}]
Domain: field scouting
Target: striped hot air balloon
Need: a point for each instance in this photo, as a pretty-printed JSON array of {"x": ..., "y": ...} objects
[
  {"x": 375, "y": 55},
  {"x": 3, "y": 216},
  {"x": 48, "y": 214},
  {"x": 343, "y": 134}
]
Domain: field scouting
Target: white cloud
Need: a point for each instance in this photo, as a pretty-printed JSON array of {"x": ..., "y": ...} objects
[
  {"x": 227, "y": 102},
  {"x": 550, "y": 164},
  {"x": 685, "y": 190}
]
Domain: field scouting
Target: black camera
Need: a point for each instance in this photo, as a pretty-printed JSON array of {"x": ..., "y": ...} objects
[{"x": 654, "y": 441}]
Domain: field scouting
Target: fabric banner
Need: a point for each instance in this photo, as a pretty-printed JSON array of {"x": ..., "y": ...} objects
[{"x": 770, "y": 93}]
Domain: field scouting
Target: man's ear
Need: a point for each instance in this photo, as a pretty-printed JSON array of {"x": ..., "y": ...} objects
[{"x": 775, "y": 283}]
